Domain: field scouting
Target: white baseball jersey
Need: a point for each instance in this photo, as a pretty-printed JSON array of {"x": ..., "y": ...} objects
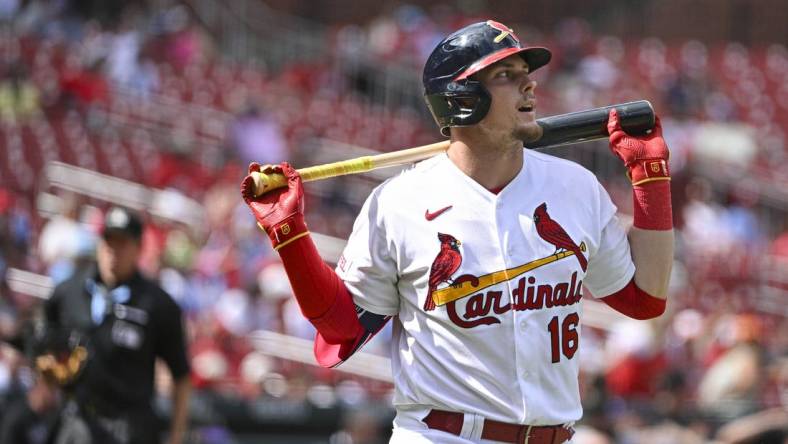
[{"x": 486, "y": 288}]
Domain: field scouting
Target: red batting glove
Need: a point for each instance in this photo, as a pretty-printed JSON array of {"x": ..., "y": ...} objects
[
  {"x": 280, "y": 213},
  {"x": 646, "y": 156}
]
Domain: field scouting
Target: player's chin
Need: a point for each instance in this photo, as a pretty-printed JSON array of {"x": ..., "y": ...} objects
[{"x": 529, "y": 131}]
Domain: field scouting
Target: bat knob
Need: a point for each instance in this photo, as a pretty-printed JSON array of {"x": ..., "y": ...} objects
[{"x": 264, "y": 183}]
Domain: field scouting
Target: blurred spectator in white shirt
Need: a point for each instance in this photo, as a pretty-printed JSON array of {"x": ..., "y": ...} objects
[
  {"x": 124, "y": 48},
  {"x": 256, "y": 136},
  {"x": 63, "y": 240},
  {"x": 600, "y": 70},
  {"x": 739, "y": 217},
  {"x": 703, "y": 231}
]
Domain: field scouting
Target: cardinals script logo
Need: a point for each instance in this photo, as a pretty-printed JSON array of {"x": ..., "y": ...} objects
[
  {"x": 552, "y": 232},
  {"x": 528, "y": 292},
  {"x": 445, "y": 264}
]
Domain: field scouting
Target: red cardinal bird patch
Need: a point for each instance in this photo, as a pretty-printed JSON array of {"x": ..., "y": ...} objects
[
  {"x": 552, "y": 232},
  {"x": 445, "y": 264}
]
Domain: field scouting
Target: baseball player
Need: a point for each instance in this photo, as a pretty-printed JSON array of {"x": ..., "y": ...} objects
[{"x": 480, "y": 256}]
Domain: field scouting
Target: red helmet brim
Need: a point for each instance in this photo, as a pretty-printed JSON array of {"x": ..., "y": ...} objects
[{"x": 535, "y": 56}]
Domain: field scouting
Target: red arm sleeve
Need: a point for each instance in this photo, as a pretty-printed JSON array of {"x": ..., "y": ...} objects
[
  {"x": 327, "y": 303},
  {"x": 652, "y": 206},
  {"x": 635, "y": 303}
]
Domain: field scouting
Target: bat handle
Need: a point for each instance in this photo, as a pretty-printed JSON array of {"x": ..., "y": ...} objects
[{"x": 264, "y": 183}]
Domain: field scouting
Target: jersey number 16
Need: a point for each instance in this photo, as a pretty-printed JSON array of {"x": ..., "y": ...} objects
[{"x": 566, "y": 340}]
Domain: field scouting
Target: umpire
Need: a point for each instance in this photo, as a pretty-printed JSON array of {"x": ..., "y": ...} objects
[{"x": 128, "y": 321}]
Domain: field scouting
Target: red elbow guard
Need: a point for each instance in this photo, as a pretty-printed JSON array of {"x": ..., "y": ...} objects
[
  {"x": 340, "y": 323},
  {"x": 635, "y": 303},
  {"x": 320, "y": 293},
  {"x": 326, "y": 302}
]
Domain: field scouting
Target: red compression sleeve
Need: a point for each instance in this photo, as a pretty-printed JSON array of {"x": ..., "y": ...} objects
[
  {"x": 320, "y": 293},
  {"x": 635, "y": 303},
  {"x": 652, "y": 207}
]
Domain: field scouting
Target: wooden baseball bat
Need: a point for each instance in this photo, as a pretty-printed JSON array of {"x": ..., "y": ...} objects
[{"x": 636, "y": 118}]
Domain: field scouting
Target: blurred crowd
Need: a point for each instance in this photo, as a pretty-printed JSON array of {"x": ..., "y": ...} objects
[{"x": 144, "y": 95}]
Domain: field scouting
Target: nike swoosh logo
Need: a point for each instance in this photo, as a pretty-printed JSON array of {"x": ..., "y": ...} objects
[{"x": 431, "y": 216}]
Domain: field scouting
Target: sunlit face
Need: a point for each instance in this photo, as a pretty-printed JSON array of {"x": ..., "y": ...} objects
[
  {"x": 512, "y": 111},
  {"x": 117, "y": 256}
]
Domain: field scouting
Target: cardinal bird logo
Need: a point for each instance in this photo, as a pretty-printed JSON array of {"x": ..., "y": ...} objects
[
  {"x": 445, "y": 264},
  {"x": 552, "y": 232}
]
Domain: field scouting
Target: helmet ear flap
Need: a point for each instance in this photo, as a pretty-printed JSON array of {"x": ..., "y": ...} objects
[{"x": 465, "y": 105}]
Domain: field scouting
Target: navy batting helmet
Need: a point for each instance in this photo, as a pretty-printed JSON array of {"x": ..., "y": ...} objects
[{"x": 453, "y": 97}]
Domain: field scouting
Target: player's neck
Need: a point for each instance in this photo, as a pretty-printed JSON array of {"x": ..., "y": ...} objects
[{"x": 491, "y": 166}]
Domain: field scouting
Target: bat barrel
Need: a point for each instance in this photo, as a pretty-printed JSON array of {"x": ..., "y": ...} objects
[{"x": 636, "y": 118}]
